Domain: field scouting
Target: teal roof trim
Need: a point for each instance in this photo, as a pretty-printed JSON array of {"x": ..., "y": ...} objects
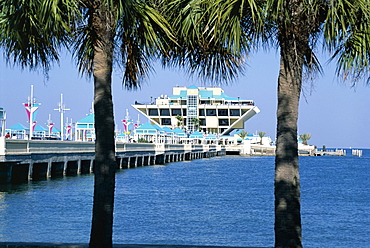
[
  {"x": 55, "y": 130},
  {"x": 193, "y": 87},
  {"x": 183, "y": 94},
  {"x": 211, "y": 136},
  {"x": 40, "y": 128},
  {"x": 204, "y": 94},
  {"x": 178, "y": 130},
  {"x": 18, "y": 126},
  {"x": 225, "y": 97},
  {"x": 88, "y": 119},
  {"x": 167, "y": 130},
  {"x": 81, "y": 125},
  {"x": 158, "y": 127},
  {"x": 146, "y": 126},
  {"x": 196, "y": 134}
]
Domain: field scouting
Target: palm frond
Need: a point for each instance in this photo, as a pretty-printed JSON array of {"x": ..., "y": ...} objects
[
  {"x": 33, "y": 31},
  {"x": 215, "y": 37},
  {"x": 144, "y": 35},
  {"x": 350, "y": 39}
]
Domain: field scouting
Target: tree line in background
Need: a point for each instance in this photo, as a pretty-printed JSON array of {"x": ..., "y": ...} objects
[{"x": 208, "y": 39}]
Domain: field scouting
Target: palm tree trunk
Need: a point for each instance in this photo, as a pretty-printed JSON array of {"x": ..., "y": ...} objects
[
  {"x": 287, "y": 183},
  {"x": 105, "y": 165}
]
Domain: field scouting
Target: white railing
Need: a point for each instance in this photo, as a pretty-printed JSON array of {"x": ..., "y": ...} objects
[
  {"x": 16, "y": 147},
  {"x": 22, "y": 147}
]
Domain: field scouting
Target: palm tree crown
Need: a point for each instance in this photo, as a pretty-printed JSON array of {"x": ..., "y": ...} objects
[
  {"x": 295, "y": 28},
  {"x": 107, "y": 34}
]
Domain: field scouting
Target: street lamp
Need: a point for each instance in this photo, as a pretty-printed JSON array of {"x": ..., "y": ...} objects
[{"x": 61, "y": 108}]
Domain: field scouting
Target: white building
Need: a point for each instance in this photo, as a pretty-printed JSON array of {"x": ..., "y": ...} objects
[
  {"x": 85, "y": 129},
  {"x": 207, "y": 109}
]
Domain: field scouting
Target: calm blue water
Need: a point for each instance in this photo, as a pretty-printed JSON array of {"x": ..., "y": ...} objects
[{"x": 218, "y": 201}]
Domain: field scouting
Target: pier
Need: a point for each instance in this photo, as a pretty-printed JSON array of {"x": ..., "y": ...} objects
[
  {"x": 336, "y": 152},
  {"x": 23, "y": 160}
]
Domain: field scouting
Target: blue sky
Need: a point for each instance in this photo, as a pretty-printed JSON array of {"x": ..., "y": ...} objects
[{"x": 334, "y": 113}]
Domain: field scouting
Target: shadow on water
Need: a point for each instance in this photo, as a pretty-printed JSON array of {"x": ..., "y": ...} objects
[{"x": 14, "y": 188}]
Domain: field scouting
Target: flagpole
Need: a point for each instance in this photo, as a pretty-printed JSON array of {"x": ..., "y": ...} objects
[
  {"x": 61, "y": 108},
  {"x": 49, "y": 121},
  {"x": 30, "y": 105},
  {"x": 31, "y": 108}
]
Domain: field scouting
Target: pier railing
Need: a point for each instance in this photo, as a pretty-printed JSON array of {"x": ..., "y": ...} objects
[
  {"x": 25, "y": 147},
  {"x": 15, "y": 147}
]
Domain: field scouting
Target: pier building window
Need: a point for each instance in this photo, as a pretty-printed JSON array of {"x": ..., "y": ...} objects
[
  {"x": 211, "y": 112},
  {"x": 176, "y": 112},
  {"x": 192, "y": 111},
  {"x": 201, "y": 112},
  {"x": 153, "y": 112},
  {"x": 223, "y": 122},
  {"x": 165, "y": 121},
  {"x": 202, "y": 122},
  {"x": 234, "y": 112},
  {"x": 192, "y": 105},
  {"x": 164, "y": 112},
  {"x": 184, "y": 112},
  {"x": 223, "y": 112}
]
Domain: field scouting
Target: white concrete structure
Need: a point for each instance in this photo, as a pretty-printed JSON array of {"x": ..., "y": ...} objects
[
  {"x": 207, "y": 109},
  {"x": 85, "y": 129}
]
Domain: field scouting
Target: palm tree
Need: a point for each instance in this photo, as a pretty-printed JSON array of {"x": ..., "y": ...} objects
[
  {"x": 261, "y": 135},
  {"x": 136, "y": 29},
  {"x": 294, "y": 27},
  {"x": 48, "y": 25},
  {"x": 180, "y": 120},
  {"x": 196, "y": 123},
  {"x": 94, "y": 29},
  {"x": 305, "y": 137},
  {"x": 243, "y": 134},
  {"x": 101, "y": 33}
]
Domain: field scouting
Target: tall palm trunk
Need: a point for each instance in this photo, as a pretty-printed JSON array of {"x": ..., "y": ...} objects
[
  {"x": 105, "y": 165},
  {"x": 287, "y": 183}
]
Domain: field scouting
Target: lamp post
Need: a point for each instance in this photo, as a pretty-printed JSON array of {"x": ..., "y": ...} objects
[
  {"x": 3, "y": 122},
  {"x": 31, "y": 101},
  {"x": 31, "y": 107},
  {"x": 61, "y": 108}
]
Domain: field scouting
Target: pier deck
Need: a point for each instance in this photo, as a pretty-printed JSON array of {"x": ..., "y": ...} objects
[
  {"x": 23, "y": 160},
  {"x": 337, "y": 152}
]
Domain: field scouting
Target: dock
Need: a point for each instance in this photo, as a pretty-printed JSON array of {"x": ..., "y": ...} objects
[
  {"x": 24, "y": 160},
  {"x": 336, "y": 152},
  {"x": 357, "y": 152}
]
